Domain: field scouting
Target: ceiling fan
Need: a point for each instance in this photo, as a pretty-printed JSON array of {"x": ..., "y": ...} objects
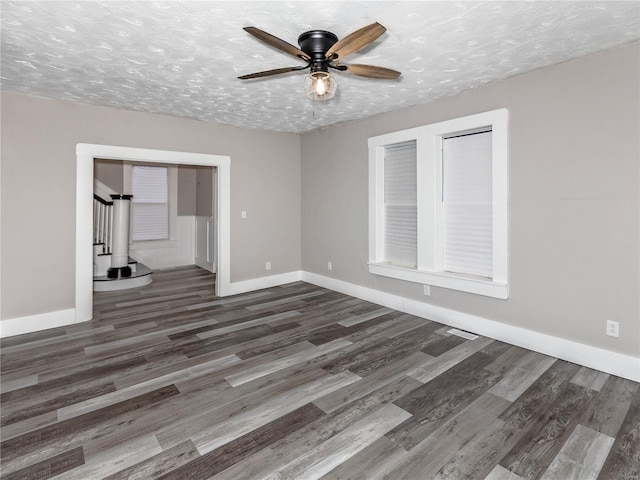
[{"x": 322, "y": 50}]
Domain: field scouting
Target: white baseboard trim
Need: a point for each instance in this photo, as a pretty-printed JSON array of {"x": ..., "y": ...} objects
[
  {"x": 264, "y": 282},
  {"x": 625, "y": 366},
  {"x": 35, "y": 323},
  {"x": 607, "y": 361}
]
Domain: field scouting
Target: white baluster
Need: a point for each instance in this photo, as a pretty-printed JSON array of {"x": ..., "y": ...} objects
[
  {"x": 95, "y": 220},
  {"x": 110, "y": 229}
]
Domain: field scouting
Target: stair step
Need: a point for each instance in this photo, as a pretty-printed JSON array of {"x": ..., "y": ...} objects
[{"x": 137, "y": 279}]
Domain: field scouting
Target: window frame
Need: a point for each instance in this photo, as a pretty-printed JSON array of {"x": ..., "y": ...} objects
[
  {"x": 429, "y": 177},
  {"x": 172, "y": 172}
]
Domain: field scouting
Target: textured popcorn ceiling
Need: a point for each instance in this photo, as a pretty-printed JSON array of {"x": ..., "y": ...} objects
[{"x": 182, "y": 57}]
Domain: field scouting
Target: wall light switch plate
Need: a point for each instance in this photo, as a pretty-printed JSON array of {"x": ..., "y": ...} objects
[
  {"x": 268, "y": 265},
  {"x": 243, "y": 214},
  {"x": 427, "y": 290},
  {"x": 329, "y": 266}
]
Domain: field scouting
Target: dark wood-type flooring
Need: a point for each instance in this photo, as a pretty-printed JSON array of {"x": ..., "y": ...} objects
[{"x": 169, "y": 381}]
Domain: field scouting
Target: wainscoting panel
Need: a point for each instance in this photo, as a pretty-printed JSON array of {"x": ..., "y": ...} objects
[
  {"x": 170, "y": 253},
  {"x": 205, "y": 253}
]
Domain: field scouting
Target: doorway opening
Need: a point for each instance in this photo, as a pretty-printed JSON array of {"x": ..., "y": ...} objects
[{"x": 220, "y": 234}]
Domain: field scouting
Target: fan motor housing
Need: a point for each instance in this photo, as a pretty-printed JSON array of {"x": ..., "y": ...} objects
[{"x": 316, "y": 43}]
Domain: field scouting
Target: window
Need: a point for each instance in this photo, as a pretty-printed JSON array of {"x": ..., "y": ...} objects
[
  {"x": 466, "y": 204},
  {"x": 438, "y": 204},
  {"x": 400, "y": 204},
  {"x": 150, "y": 203}
]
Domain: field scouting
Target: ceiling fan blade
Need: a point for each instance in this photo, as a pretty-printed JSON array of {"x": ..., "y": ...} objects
[
  {"x": 355, "y": 41},
  {"x": 373, "y": 72},
  {"x": 268, "y": 73},
  {"x": 276, "y": 42}
]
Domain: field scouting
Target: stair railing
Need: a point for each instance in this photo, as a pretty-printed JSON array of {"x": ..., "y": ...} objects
[{"x": 103, "y": 222}]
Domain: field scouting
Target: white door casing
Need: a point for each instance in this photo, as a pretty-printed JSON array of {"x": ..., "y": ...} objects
[{"x": 85, "y": 155}]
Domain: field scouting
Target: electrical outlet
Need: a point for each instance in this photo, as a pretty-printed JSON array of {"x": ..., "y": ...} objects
[
  {"x": 613, "y": 328},
  {"x": 268, "y": 265},
  {"x": 329, "y": 266},
  {"x": 243, "y": 214},
  {"x": 427, "y": 290}
]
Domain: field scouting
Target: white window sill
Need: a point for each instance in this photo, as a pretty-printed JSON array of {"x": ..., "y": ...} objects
[{"x": 478, "y": 286}]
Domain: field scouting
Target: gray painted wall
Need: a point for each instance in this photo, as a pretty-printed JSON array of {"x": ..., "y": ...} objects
[
  {"x": 574, "y": 206},
  {"x": 204, "y": 191},
  {"x": 110, "y": 173},
  {"x": 187, "y": 190},
  {"x": 39, "y": 138}
]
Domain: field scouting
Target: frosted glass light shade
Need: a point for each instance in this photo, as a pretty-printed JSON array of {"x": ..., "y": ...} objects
[{"x": 320, "y": 86}]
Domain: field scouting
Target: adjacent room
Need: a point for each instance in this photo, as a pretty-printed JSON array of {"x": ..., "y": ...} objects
[{"x": 320, "y": 240}]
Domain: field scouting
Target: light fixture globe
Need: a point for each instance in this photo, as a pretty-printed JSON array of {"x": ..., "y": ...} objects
[{"x": 320, "y": 85}]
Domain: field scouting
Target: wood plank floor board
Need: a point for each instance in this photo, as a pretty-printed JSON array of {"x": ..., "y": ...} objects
[
  {"x": 23, "y": 410},
  {"x": 254, "y": 467},
  {"x": 377, "y": 348},
  {"x": 56, "y": 341},
  {"x": 268, "y": 411},
  {"x": 496, "y": 349},
  {"x": 105, "y": 400},
  {"x": 303, "y": 333},
  {"x": 531, "y": 456},
  {"x": 538, "y": 397},
  {"x": 265, "y": 368},
  {"x": 335, "y": 400},
  {"x": 607, "y": 412},
  {"x": 522, "y": 375},
  {"x": 31, "y": 338},
  {"x": 432, "y": 453},
  {"x": 394, "y": 348},
  {"x": 128, "y": 452},
  {"x": 97, "y": 375},
  {"x": 342, "y": 446},
  {"x": 442, "y": 345},
  {"x": 50, "y": 467},
  {"x": 233, "y": 402},
  {"x": 233, "y": 452},
  {"x": 439, "y": 365},
  {"x": 37, "y": 445},
  {"x": 380, "y": 457},
  {"x": 321, "y": 430},
  {"x": 29, "y": 424},
  {"x": 160, "y": 464},
  {"x": 623, "y": 461},
  {"x": 365, "y": 316},
  {"x": 480, "y": 455},
  {"x": 581, "y": 456},
  {"x": 171, "y": 423},
  {"x": 435, "y": 402},
  {"x": 501, "y": 473},
  {"x": 296, "y": 381}
]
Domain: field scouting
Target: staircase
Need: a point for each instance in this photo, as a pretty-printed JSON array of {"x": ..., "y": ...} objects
[{"x": 113, "y": 269}]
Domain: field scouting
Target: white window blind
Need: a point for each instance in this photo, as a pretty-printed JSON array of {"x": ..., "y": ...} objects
[
  {"x": 467, "y": 238},
  {"x": 400, "y": 204},
  {"x": 150, "y": 203}
]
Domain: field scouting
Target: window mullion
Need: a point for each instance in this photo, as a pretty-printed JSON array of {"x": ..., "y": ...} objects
[{"x": 427, "y": 174}]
